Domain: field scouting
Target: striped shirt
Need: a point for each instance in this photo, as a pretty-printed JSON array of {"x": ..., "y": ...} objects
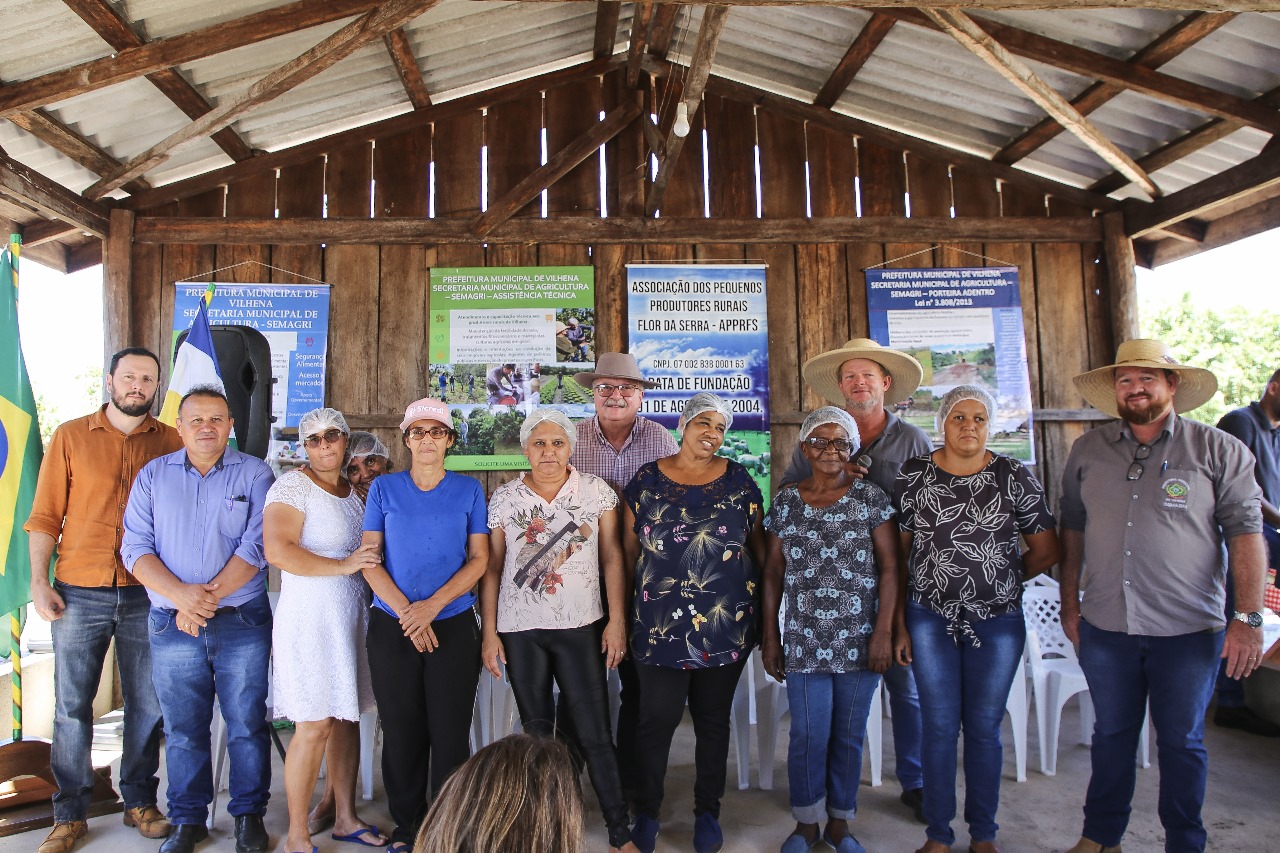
[{"x": 649, "y": 441}]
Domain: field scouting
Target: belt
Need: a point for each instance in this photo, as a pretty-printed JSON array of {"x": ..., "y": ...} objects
[{"x": 223, "y": 611}]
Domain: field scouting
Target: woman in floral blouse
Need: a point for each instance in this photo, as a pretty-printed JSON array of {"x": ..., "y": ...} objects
[
  {"x": 554, "y": 532},
  {"x": 833, "y": 545},
  {"x": 692, "y": 533},
  {"x": 962, "y": 510}
]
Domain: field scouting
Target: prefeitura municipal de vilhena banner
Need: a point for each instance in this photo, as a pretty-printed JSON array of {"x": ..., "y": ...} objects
[{"x": 505, "y": 340}]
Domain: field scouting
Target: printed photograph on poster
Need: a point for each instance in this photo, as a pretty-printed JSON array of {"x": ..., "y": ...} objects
[
  {"x": 704, "y": 327},
  {"x": 505, "y": 340},
  {"x": 964, "y": 326}
]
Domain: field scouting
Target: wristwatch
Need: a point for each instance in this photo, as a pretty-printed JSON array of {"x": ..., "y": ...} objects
[{"x": 1253, "y": 619}]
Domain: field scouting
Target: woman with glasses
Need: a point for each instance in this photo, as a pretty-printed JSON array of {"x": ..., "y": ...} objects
[
  {"x": 832, "y": 546},
  {"x": 554, "y": 534},
  {"x": 965, "y": 514},
  {"x": 692, "y": 533},
  {"x": 311, "y": 532},
  {"x": 430, "y": 527}
]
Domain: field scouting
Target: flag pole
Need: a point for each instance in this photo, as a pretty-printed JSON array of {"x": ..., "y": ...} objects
[{"x": 15, "y": 617}]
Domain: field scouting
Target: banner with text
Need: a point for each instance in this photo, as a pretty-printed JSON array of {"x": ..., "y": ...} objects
[
  {"x": 702, "y": 327},
  {"x": 503, "y": 341},
  {"x": 965, "y": 327},
  {"x": 294, "y": 318}
]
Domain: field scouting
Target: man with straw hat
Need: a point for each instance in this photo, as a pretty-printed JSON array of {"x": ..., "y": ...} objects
[
  {"x": 1156, "y": 509},
  {"x": 863, "y": 377}
]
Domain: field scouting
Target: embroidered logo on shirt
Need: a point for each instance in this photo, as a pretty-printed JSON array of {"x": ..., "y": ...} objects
[{"x": 1176, "y": 493}]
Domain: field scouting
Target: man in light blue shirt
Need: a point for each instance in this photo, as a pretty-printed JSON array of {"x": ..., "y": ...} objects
[{"x": 193, "y": 538}]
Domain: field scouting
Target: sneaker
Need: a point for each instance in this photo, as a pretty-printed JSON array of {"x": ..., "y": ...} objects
[
  {"x": 1245, "y": 720},
  {"x": 644, "y": 834},
  {"x": 914, "y": 799},
  {"x": 64, "y": 836},
  {"x": 707, "y": 837}
]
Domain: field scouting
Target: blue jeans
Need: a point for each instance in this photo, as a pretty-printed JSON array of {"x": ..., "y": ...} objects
[
  {"x": 904, "y": 700},
  {"x": 963, "y": 684},
  {"x": 1177, "y": 675},
  {"x": 228, "y": 660},
  {"x": 80, "y": 640},
  {"x": 824, "y": 761}
]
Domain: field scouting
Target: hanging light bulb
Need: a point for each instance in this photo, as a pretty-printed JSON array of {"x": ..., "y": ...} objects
[{"x": 681, "y": 126}]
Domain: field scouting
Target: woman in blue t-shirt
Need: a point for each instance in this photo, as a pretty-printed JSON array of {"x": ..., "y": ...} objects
[{"x": 424, "y": 637}]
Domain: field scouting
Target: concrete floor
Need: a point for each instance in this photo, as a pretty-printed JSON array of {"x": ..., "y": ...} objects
[{"x": 1041, "y": 814}]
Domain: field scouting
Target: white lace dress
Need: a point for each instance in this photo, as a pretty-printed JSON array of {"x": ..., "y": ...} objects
[{"x": 319, "y": 665}]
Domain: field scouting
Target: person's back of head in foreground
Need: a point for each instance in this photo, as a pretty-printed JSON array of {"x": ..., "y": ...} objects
[{"x": 517, "y": 795}]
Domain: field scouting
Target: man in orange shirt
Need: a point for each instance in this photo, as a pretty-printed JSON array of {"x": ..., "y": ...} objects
[{"x": 79, "y": 506}]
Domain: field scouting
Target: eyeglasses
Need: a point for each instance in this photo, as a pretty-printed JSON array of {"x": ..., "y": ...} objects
[
  {"x": 821, "y": 444},
  {"x": 436, "y": 432},
  {"x": 1135, "y": 470},
  {"x": 627, "y": 391},
  {"x": 329, "y": 436}
]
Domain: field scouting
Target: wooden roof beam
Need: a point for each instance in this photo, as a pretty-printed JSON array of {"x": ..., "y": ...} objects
[
  {"x": 406, "y": 65},
  {"x": 1011, "y": 5},
  {"x": 664, "y": 26},
  {"x": 308, "y": 64},
  {"x": 607, "y": 13},
  {"x": 1258, "y": 175},
  {"x": 1182, "y": 35},
  {"x": 963, "y": 29},
  {"x": 62, "y": 138},
  {"x": 639, "y": 34},
  {"x": 117, "y": 32},
  {"x": 134, "y": 62},
  {"x": 29, "y": 188},
  {"x": 557, "y": 166},
  {"x": 865, "y": 44},
  {"x": 47, "y": 231},
  {"x": 704, "y": 53}
]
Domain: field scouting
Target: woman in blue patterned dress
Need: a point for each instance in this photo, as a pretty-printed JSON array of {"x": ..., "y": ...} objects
[
  {"x": 832, "y": 546},
  {"x": 693, "y": 540},
  {"x": 963, "y": 511}
]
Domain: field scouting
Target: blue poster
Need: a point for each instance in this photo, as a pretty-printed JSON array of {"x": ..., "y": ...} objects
[
  {"x": 964, "y": 325},
  {"x": 294, "y": 318},
  {"x": 705, "y": 328}
]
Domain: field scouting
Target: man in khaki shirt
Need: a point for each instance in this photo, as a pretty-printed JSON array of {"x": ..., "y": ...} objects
[{"x": 79, "y": 507}]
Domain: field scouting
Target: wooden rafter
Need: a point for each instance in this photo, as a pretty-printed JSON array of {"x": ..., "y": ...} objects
[
  {"x": 1252, "y": 177},
  {"x": 865, "y": 44},
  {"x": 45, "y": 232},
  {"x": 1014, "y": 5},
  {"x": 117, "y": 32},
  {"x": 963, "y": 29},
  {"x": 62, "y": 138},
  {"x": 704, "y": 53},
  {"x": 406, "y": 64},
  {"x": 664, "y": 26},
  {"x": 607, "y": 12},
  {"x": 29, "y": 188},
  {"x": 309, "y": 63},
  {"x": 1182, "y": 35},
  {"x": 134, "y": 62},
  {"x": 556, "y": 167},
  {"x": 639, "y": 34}
]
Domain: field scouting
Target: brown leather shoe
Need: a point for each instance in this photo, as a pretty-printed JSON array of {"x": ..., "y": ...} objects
[
  {"x": 63, "y": 837},
  {"x": 1085, "y": 845},
  {"x": 151, "y": 823}
]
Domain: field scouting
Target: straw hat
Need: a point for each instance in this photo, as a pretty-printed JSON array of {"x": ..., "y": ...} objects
[
  {"x": 820, "y": 371},
  {"x": 1195, "y": 384},
  {"x": 614, "y": 365}
]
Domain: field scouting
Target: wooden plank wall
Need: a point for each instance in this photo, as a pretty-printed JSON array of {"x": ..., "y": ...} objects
[{"x": 816, "y": 291}]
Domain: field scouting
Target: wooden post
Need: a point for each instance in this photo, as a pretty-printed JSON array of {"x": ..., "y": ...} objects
[
  {"x": 1121, "y": 277},
  {"x": 117, "y": 279}
]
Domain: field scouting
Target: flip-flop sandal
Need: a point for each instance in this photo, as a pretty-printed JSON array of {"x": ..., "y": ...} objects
[
  {"x": 397, "y": 847},
  {"x": 354, "y": 838}
]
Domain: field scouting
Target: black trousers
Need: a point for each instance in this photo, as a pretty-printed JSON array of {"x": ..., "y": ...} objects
[
  {"x": 425, "y": 700},
  {"x": 624, "y": 736},
  {"x": 663, "y": 693},
  {"x": 570, "y": 656}
]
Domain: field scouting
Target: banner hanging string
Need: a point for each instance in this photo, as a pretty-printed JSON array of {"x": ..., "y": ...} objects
[
  {"x": 940, "y": 246},
  {"x": 242, "y": 263}
]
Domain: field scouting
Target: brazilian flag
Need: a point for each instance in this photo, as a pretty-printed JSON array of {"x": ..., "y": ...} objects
[{"x": 20, "y": 449}]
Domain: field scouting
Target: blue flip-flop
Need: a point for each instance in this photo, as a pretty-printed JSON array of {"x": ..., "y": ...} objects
[{"x": 354, "y": 838}]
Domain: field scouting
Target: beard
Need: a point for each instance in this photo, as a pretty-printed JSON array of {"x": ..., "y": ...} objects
[
  {"x": 863, "y": 407},
  {"x": 132, "y": 408},
  {"x": 1145, "y": 415}
]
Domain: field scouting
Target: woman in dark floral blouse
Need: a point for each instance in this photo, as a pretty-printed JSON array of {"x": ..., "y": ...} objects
[
  {"x": 962, "y": 510},
  {"x": 691, "y": 520},
  {"x": 833, "y": 545}
]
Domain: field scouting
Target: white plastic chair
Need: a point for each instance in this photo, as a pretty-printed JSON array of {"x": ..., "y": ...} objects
[{"x": 1056, "y": 676}]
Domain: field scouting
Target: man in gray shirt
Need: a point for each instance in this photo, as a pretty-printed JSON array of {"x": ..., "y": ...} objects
[
  {"x": 862, "y": 376},
  {"x": 1156, "y": 509}
]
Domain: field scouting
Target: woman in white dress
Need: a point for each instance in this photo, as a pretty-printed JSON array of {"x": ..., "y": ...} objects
[{"x": 320, "y": 675}]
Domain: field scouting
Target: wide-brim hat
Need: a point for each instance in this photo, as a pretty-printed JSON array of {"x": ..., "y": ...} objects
[
  {"x": 614, "y": 365},
  {"x": 427, "y": 409},
  {"x": 820, "y": 371},
  {"x": 1195, "y": 384}
]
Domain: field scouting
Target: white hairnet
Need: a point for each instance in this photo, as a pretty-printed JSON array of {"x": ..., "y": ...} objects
[
  {"x": 556, "y": 417},
  {"x": 705, "y": 401},
  {"x": 318, "y": 421},
  {"x": 964, "y": 392},
  {"x": 831, "y": 415},
  {"x": 367, "y": 444}
]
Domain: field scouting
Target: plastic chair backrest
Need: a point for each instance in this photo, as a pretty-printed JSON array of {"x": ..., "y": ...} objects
[{"x": 1042, "y": 608}]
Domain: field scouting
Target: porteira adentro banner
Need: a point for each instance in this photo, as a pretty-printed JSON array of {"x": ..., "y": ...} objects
[
  {"x": 704, "y": 327},
  {"x": 503, "y": 341},
  {"x": 965, "y": 327}
]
